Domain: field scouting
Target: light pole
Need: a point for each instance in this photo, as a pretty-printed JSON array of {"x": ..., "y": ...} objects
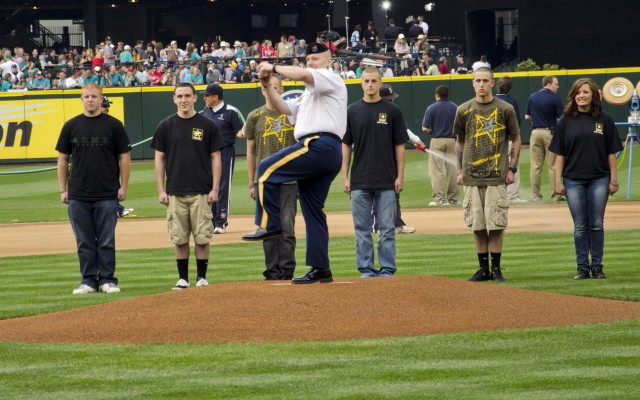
[{"x": 386, "y": 5}]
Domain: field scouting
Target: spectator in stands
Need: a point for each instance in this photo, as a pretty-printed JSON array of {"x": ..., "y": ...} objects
[
  {"x": 371, "y": 37},
  {"x": 195, "y": 77},
  {"x": 225, "y": 52},
  {"x": 18, "y": 56},
  {"x": 98, "y": 60},
  {"x": 29, "y": 65},
  {"x": 386, "y": 71},
  {"x": 267, "y": 50},
  {"x": 130, "y": 80},
  {"x": 154, "y": 74},
  {"x": 461, "y": 66},
  {"x": 108, "y": 52},
  {"x": 415, "y": 30},
  {"x": 443, "y": 68},
  {"x": 301, "y": 49},
  {"x": 355, "y": 35},
  {"x": 125, "y": 56},
  {"x": 233, "y": 73},
  {"x": 40, "y": 82},
  {"x": 238, "y": 51},
  {"x": 254, "y": 50},
  {"x": 6, "y": 82},
  {"x": 22, "y": 83},
  {"x": 169, "y": 78},
  {"x": 35, "y": 58},
  {"x": 204, "y": 49},
  {"x": 432, "y": 69},
  {"x": 149, "y": 54},
  {"x": 213, "y": 74},
  {"x": 362, "y": 47},
  {"x": 111, "y": 78},
  {"x": 192, "y": 53},
  {"x": 420, "y": 69},
  {"x": 401, "y": 48},
  {"x": 481, "y": 63},
  {"x": 423, "y": 25},
  {"x": 284, "y": 48},
  {"x": 392, "y": 31}
]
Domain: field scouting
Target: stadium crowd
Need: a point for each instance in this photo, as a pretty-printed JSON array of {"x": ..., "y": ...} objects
[{"x": 118, "y": 64}]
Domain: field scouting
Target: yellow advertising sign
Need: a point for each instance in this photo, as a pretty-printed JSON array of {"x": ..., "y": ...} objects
[{"x": 29, "y": 128}]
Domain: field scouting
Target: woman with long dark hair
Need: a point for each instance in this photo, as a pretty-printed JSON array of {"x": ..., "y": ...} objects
[{"x": 586, "y": 142}]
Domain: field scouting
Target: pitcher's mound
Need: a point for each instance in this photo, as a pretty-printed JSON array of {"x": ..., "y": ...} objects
[{"x": 345, "y": 309}]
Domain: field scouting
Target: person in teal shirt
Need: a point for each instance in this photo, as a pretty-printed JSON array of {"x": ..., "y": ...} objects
[
  {"x": 126, "y": 56},
  {"x": 6, "y": 82},
  {"x": 111, "y": 79},
  {"x": 40, "y": 82},
  {"x": 90, "y": 77},
  {"x": 195, "y": 77}
]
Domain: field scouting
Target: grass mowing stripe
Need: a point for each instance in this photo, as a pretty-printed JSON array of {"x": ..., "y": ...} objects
[{"x": 504, "y": 364}]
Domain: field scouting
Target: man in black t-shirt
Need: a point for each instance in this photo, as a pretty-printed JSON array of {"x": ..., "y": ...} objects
[
  {"x": 99, "y": 177},
  {"x": 375, "y": 134},
  {"x": 187, "y": 148}
]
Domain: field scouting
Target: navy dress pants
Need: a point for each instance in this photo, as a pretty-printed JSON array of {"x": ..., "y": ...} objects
[{"x": 313, "y": 163}]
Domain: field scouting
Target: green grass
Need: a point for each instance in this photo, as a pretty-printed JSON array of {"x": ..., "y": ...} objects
[
  {"x": 596, "y": 361},
  {"x": 582, "y": 362},
  {"x": 35, "y": 197}
]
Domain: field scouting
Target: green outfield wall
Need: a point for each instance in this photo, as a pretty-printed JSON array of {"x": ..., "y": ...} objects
[{"x": 30, "y": 122}]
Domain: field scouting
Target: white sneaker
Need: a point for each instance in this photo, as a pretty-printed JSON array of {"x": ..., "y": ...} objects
[
  {"x": 434, "y": 203},
  {"x": 127, "y": 211},
  {"x": 84, "y": 289},
  {"x": 518, "y": 200},
  {"x": 202, "y": 282},
  {"x": 405, "y": 229},
  {"x": 181, "y": 285},
  {"x": 109, "y": 288},
  {"x": 218, "y": 231}
]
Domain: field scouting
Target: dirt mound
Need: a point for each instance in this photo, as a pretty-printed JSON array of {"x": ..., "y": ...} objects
[{"x": 353, "y": 308}]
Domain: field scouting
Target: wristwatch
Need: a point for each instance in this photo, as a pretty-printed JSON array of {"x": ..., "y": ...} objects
[{"x": 513, "y": 169}]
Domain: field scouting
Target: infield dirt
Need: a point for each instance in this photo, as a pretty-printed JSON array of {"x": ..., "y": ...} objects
[{"x": 347, "y": 308}]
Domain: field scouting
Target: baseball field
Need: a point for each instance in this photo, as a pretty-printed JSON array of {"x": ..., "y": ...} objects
[{"x": 425, "y": 333}]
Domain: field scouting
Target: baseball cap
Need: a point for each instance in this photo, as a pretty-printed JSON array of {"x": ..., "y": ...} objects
[
  {"x": 401, "y": 36},
  {"x": 38, "y": 72},
  {"x": 421, "y": 36},
  {"x": 224, "y": 44},
  {"x": 237, "y": 44},
  {"x": 127, "y": 47},
  {"x": 317, "y": 48},
  {"x": 214, "y": 90},
  {"x": 97, "y": 69},
  {"x": 105, "y": 102},
  {"x": 387, "y": 93},
  {"x": 107, "y": 38}
]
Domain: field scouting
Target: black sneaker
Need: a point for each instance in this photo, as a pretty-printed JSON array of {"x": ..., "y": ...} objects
[
  {"x": 496, "y": 275},
  {"x": 597, "y": 273},
  {"x": 480, "y": 275},
  {"x": 583, "y": 273}
]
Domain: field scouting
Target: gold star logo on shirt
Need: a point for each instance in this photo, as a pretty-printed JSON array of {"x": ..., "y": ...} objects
[
  {"x": 278, "y": 127},
  {"x": 490, "y": 127}
]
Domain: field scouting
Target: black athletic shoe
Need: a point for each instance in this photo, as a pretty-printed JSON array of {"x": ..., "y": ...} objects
[
  {"x": 480, "y": 275},
  {"x": 597, "y": 273},
  {"x": 583, "y": 273},
  {"x": 496, "y": 275}
]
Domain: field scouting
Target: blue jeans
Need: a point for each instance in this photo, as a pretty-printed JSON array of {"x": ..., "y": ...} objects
[
  {"x": 587, "y": 201},
  {"x": 94, "y": 225},
  {"x": 361, "y": 203}
]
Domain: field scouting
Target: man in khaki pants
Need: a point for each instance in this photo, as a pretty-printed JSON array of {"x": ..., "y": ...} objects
[{"x": 544, "y": 107}]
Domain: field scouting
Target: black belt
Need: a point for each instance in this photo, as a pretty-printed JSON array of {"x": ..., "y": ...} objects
[{"x": 325, "y": 134}]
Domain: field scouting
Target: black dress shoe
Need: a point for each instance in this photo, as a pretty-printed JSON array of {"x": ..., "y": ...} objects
[
  {"x": 261, "y": 234},
  {"x": 315, "y": 276}
]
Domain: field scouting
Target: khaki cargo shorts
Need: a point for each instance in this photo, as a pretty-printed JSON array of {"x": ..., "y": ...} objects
[
  {"x": 190, "y": 214},
  {"x": 486, "y": 207}
]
